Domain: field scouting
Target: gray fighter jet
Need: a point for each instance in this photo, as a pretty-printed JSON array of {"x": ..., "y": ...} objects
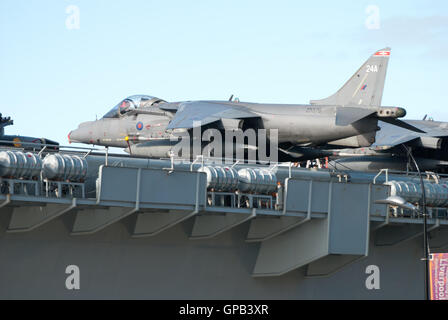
[
  {"x": 145, "y": 125},
  {"x": 430, "y": 149},
  {"x": 27, "y": 143}
]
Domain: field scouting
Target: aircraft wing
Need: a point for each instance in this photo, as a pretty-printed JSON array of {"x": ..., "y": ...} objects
[
  {"x": 199, "y": 113},
  {"x": 432, "y": 128},
  {"x": 390, "y": 135},
  {"x": 396, "y": 140}
]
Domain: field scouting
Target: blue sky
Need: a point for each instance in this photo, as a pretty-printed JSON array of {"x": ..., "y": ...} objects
[{"x": 52, "y": 78}]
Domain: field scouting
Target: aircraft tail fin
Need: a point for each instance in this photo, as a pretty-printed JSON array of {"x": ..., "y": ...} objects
[{"x": 365, "y": 87}]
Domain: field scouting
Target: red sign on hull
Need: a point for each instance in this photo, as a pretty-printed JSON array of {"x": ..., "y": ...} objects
[{"x": 438, "y": 266}]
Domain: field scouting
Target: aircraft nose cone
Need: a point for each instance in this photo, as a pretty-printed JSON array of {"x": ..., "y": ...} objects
[{"x": 83, "y": 134}]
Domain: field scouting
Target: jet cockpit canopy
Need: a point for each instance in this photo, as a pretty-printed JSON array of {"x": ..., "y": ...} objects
[{"x": 132, "y": 103}]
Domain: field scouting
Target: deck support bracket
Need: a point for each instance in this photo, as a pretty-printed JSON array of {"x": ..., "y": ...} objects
[
  {"x": 210, "y": 225},
  {"x": 25, "y": 219},
  {"x": 149, "y": 224}
]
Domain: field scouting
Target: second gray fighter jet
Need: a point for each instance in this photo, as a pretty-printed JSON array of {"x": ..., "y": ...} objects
[{"x": 430, "y": 149}]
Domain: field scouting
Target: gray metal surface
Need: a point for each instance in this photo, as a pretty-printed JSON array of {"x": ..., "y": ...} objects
[
  {"x": 170, "y": 266},
  {"x": 160, "y": 233},
  {"x": 342, "y": 232}
]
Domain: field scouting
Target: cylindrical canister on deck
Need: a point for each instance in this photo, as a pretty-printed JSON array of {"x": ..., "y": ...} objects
[
  {"x": 257, "y": 180},
  {"x": 18, "y": 164},
  {"x": 221, "y": 178},
  {"x": 436, "y": 194},
  {"x": 64, "y": 167}
]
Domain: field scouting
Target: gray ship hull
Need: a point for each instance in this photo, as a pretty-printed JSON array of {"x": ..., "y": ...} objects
[
  {"x": 170, "y": 266},
  {"x": 139, "y": 229}
]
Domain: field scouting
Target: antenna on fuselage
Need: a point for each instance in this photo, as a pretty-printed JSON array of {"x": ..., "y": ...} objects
[{"x": 232, "y": 99}]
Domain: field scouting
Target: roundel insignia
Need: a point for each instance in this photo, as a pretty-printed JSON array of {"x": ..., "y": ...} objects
[
  {"x": 139, "y": 125},
  {"x": 17, "y": 145}
]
